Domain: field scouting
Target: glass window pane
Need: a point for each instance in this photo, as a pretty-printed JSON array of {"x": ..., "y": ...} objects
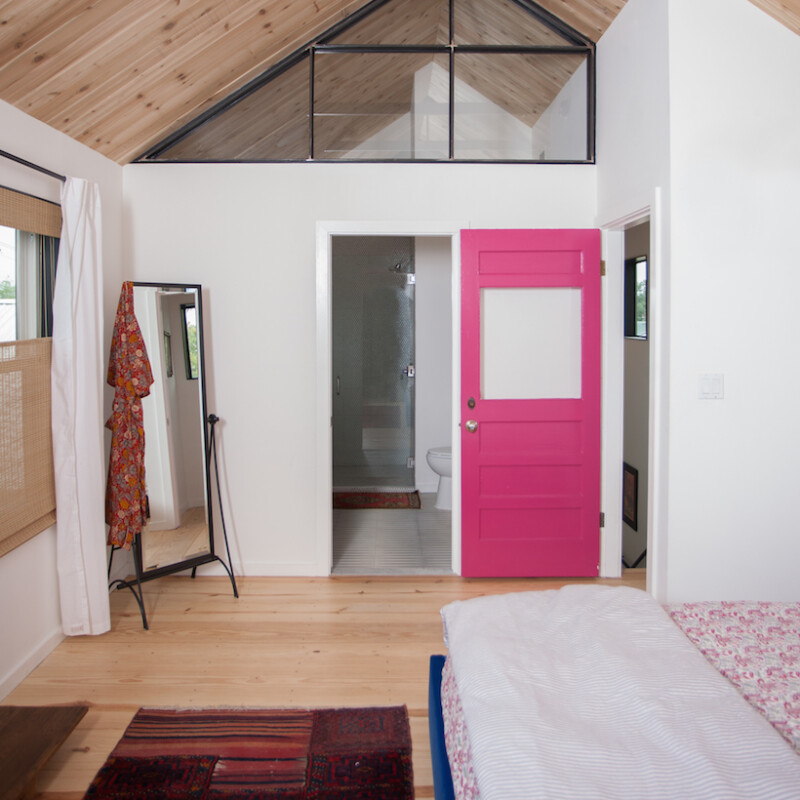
[
  {"x": 405, "y": 22},
  {"x": 27, "y": 277},
  {"x": 501, "y": 22},
  {"x": 530, "y": 343},
  {"x": 8, "y": 284},
  {"x": 636, "y": 297},
  {"x": 269, "y": 124},
  {"x": 521, "y": 106},
  {"x": 641, "y": 298},
  {"x": 384, "y": 106}
]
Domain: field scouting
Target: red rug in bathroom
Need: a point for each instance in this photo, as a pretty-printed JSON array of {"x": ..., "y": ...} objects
[{"x": 377, "y": 500}]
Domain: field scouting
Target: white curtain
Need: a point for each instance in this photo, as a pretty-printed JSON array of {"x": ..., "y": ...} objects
[{"x": 77, "y": 391}]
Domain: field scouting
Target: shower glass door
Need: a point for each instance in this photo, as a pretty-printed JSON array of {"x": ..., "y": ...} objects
[{"x": 373, "y": 362}]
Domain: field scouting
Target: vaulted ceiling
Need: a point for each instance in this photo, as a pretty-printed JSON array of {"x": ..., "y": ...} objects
[{"x": 120, "y": 75}]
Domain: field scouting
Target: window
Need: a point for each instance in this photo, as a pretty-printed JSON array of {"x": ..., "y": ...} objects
[
  {"x": 8, "y": 280},
  {"x": 189, "y": 318},
  {"x": 636, "y": 297},
  {"x": 27, "y": 277},
  {"x": 29, "y": 230},
  {"x": 413, "y": 80}
]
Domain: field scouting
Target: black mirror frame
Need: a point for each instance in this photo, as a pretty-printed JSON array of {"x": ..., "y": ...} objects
[{"x": 209, "y": 452}]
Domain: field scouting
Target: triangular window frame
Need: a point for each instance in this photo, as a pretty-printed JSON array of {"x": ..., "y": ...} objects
[{"x": 333, "y": 41}]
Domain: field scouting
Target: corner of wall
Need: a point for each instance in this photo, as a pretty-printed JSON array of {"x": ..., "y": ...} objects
[{"x": 32, "y": 659}]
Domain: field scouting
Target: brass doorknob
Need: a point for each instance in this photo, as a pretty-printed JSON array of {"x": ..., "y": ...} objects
[{"x": 471, "y": 426}]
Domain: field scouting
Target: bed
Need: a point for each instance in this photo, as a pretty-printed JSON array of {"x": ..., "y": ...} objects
[{"x": 591, "y": 692}]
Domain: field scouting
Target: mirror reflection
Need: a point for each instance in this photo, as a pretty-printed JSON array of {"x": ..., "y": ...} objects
[{"x": 178, "y": 527}]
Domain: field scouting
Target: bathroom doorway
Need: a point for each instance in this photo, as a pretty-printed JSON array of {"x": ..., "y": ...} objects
[
  {"x": 373, "y": 397},
  {"x": 391, "y": 399},
  {"x": 438, "y": 380}
]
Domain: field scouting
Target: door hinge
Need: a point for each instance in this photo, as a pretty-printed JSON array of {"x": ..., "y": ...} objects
[
  {"x": 602, "y": 519},
  {"x": 602, "y": 269},
  {"x": 410, "y": 462}
]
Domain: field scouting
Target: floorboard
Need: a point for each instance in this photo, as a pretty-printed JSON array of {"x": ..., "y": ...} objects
[{"x": 291, "y": 642}]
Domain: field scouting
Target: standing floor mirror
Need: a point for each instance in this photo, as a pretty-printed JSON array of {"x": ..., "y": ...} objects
[{"x": 180, "y": 450}]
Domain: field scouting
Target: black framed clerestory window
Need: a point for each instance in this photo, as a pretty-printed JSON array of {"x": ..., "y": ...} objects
[{"x": 499, "y": 81}]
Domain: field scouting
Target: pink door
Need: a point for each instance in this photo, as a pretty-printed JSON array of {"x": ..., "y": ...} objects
[{"x": 530, "y": 402}]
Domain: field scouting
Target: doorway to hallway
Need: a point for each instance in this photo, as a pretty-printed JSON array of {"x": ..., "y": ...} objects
[{"x": 636, "y": 423}]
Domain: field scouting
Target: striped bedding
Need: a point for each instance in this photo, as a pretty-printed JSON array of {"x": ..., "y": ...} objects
[{"x": 592, "y": 692}]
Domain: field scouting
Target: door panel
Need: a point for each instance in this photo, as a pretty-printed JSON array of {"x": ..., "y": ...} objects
[{"x": 531, "y": 392}]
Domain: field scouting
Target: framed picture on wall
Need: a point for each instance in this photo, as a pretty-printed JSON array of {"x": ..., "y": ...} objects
[{"x": 630, "y": 495}]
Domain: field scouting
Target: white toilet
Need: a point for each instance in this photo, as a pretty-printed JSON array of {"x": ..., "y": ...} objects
[{"x": 440, "y": 460}]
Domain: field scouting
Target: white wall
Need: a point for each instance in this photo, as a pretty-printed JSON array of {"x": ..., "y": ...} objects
[
  {"x": 735, "y": 280},
  {"x": 723, "y": 153},
  {"x": 248, "y": 234},
  {"x": 633, "y": 109},
  {"x": 434, "y": 348},
  {"x": 633, "y": 166},
  {"x": 28, "y": 578}
]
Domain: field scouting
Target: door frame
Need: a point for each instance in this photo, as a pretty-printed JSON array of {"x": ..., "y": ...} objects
[
  {"x": 326, "y": 230},
  {"x": 611, "y": 389}
]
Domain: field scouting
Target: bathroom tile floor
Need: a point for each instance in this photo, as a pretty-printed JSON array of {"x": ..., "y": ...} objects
[{"x": 392, "y": 541}]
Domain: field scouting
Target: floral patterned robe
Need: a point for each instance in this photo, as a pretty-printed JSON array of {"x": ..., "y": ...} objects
[{"x": 130, "y": 374}]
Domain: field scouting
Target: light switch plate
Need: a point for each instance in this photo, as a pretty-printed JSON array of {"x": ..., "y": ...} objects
[{"x": 712, "y": 386}]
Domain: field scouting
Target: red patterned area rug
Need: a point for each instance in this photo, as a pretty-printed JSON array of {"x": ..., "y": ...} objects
[
  {"x": 260, "y": 754},
  {"x": 377, "y": 500}
]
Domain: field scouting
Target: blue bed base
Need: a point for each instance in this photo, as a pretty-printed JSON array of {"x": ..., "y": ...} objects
[{"x": 442, "y": 778}]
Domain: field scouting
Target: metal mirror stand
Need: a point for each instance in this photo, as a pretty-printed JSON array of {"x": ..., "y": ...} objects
[
  {"x": 180, "y": 443},
  {"x": 141, "y": 575}
]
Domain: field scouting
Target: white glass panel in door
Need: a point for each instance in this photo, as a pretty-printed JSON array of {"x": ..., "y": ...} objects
[{"x": 530, "y": 343}]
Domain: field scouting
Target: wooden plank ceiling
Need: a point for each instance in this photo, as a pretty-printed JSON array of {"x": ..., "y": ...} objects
[{"x": 119, "y": 76}]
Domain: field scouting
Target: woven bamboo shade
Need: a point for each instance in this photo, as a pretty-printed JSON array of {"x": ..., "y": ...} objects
[
  {"x": 27, "y": 487},
  {"x": 27, "y": 213}
]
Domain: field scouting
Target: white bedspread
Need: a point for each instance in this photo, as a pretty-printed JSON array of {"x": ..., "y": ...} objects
[{"x": 592, "y": 692}]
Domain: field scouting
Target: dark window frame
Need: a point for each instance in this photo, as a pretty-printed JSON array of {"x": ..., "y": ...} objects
[
  {"x": 631, "y": 265},
  {"x": 577, "y": 44}
]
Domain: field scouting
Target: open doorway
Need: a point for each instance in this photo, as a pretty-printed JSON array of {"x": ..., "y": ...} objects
[
  {"x": 636, "y": 424},
  {"x": 446, "y": 238},
  {"x": 391, "y": 402}
]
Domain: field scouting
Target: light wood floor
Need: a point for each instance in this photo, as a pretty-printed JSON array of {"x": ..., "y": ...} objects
[
  {"x": 291, "y": 642},
  {"x": 190, "y": 538}
]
